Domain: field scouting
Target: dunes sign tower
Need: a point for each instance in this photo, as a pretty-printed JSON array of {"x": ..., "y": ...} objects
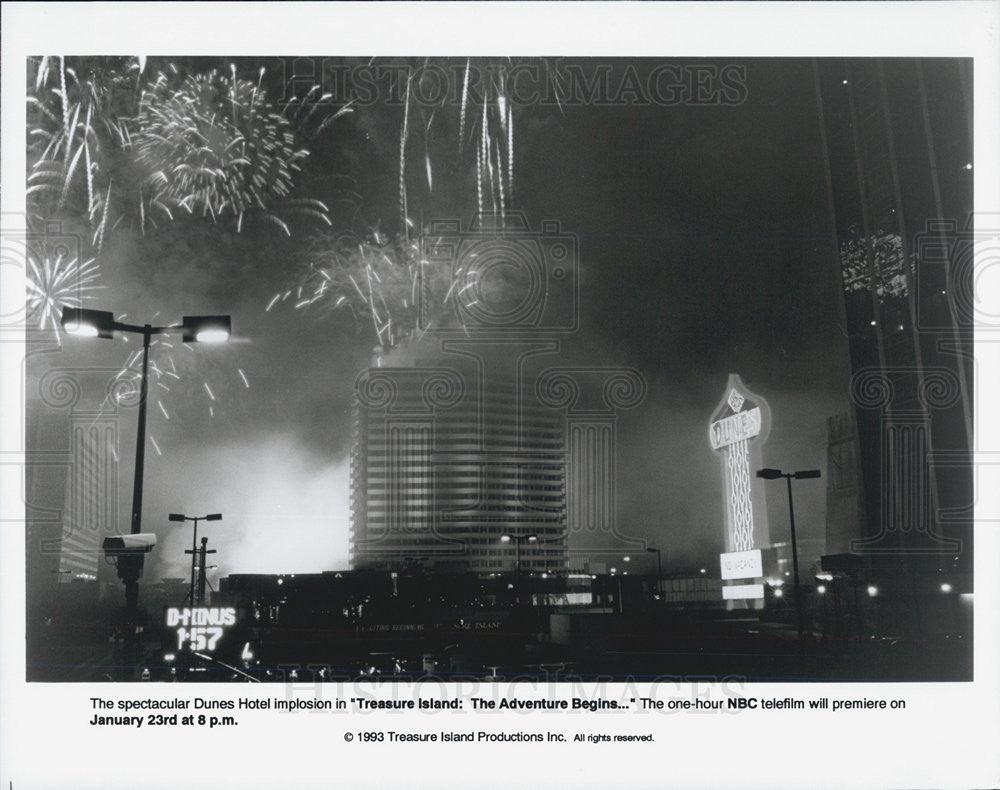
[{"x": 737, "y": 431}]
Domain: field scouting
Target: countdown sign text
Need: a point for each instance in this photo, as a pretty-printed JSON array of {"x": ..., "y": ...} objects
[{"x": 200, "y": 627}]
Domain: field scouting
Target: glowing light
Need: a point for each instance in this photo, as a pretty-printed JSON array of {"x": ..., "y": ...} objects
[
  {"x": 873, "y": 322},
  {"x": 821, "y": 589},
  {"x": 213, "y": 335},
  {"x": 627, "y": 559},
  {"x": 946, "y": 588},
  {"x": 777, "y": 592},
  {"x": 968, "y": 165},
  {"x": 701, "y": 570},
  {"x": 168, "y": 657},
  {"x": 872, "y": 590},
  {"x": 81, "y": 329},
  {"x": 505, "y": 538}
]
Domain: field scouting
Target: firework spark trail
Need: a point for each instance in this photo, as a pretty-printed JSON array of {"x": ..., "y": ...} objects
[
  {"x": 402, "y": 158},
  {"x": 484, "y": 156},
  {"x": 500, "y": 181},
  {"x": 163, "y": 367},
  {"x": 465, "y": 102},
  {"x": 510, "y": 153}
]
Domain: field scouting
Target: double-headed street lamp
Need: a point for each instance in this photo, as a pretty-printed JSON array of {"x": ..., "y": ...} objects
[
  {"x": 518, "y": 540},
  {"x": 194, "y": 542},
  {"x": 774, "y": 474},
  {"x": 659, "y": 571},
  {"x": 102, "y": 323}
]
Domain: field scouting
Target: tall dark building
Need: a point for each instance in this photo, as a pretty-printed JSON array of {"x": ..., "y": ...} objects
[{"x": 896, "y": 136}]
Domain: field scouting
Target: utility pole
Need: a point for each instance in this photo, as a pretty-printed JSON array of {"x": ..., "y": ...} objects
[
  {"x": 198, "y": 559},
  {"x": 773, "y": 474},
  {"x": 193, "y": 551}
]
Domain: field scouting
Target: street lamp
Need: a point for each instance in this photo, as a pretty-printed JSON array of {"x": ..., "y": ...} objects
[
  {"x": 102, "y": 323},
  {"x": 659, "y": 571},
  {"x": 808, "y": 474},
  {"x": 194, "y": 540},
  {"x": 518, "y": 540}
]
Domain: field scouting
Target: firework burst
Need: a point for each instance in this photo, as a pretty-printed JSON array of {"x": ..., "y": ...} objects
[
  {"x": 55, "y": 278},
  {"x": 373, "y": 279},
  {"x": 104, "y": 147},
  {"x": 216, "y": 146}
]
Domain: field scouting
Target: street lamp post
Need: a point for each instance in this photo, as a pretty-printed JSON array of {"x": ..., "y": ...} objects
[
  {"x": 774, "y": 474},
  {"x": 518, "y": 540},
  {"x": 102, "y": 323},
  {"x": 659, "y": 571},
  {"x": 194, "y": 541}
]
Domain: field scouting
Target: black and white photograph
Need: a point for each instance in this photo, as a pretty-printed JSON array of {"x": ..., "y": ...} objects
[{"x": 349, "y": 376}]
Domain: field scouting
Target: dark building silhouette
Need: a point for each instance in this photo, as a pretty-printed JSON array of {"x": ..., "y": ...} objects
[{"x": 896, "y": 138}]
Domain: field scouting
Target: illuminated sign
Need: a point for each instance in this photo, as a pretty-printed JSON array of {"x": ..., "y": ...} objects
[
  {"x": 200, "y": 627},
  {"x": 741, "y": 591},
  {"x": 735, "y": 428},
  {"x": 738, "y": 428},
  {"x": 742, "y": 564},
  {"x": 736, "y": 431}
]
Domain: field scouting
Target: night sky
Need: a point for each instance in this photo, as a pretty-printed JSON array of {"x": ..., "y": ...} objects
[{"x": 705, "y": 250}]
